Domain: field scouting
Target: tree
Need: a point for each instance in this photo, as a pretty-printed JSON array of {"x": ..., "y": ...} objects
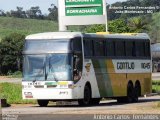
[
  {"x": 118, "y": 26},
  {"x": 34, "y": 12},
  {"x": 95, "y": 28},
  {"x": 138, "y": 25},
  {"x": 115, "y": 26},
  {"x": 53, "y": 13},
  {"x": 11, "y": 52},
  {"x": 2, "y": 13},
  {"x": 19, "y": 13}
]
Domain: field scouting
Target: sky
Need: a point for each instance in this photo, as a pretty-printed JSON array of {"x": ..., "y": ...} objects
[{"x": 8, "y": 5}]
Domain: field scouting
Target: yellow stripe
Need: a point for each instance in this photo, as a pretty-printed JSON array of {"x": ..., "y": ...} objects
[{"x": 119, "y": 81}]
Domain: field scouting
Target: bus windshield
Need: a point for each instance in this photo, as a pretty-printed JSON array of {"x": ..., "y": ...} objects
[{"x": 50, "y": 67}]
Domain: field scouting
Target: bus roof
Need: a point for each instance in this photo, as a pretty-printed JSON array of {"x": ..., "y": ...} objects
[
  {"x": 120, "y": 35},
  {"x": 68, "y": 35},
  {"x": 53, "y": 35}
]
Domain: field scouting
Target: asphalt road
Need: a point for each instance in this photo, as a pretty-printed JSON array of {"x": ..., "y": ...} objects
[{"x": 75, "y": 112}]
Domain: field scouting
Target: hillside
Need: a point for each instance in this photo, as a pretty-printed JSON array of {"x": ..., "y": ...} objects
[
  {"x": 25, "y": 26},
  {"x": 30, "y": 26}
]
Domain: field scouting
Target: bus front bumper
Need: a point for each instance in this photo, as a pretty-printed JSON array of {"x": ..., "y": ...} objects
[{"x": 49, "y": 94}]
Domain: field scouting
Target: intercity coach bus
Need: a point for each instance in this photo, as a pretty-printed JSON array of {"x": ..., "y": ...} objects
[{"x": 69, "y": 66}]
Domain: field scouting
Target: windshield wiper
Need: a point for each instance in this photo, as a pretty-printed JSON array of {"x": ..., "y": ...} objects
[
  {"x": 49, "y": 65},
  {"x": 55, "y": 77}
]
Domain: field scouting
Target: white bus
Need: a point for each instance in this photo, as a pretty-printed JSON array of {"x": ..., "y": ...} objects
[{"x": 61, "y": 66}]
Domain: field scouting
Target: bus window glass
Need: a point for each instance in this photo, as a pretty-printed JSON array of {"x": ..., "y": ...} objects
[
  {"x": 120, "y": 48},
  {"x": 77, "y": 66},
  {"x": 88, "y": 51},
  {"x": 147, "y": 49},
  {"x": 140, "y": 49},
  {"x": 110, "y": 48},
  {"x": 130, "y": 48},
  {"x": 98, "y": 48},
  {"x": 77, "y": 45}
]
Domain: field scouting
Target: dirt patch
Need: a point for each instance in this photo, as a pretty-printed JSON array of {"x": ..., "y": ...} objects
[{"x": 4, "y": 78}]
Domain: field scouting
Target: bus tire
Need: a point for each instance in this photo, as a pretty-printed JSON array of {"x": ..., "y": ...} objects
[
  {"x": 95, "y": 101},
  {"x": 43, "y": 103},
  {"x": 121, "y": 100},
  {"x": 130, "y": 93},
  {"x": 137, "y": 91},
  {"x": 86, "y": 101}
]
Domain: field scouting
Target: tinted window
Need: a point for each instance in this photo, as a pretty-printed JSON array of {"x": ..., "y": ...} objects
[
  {"x": 77, "y": 45},
  {"x": 99, "y": 48},
  {"x": 120, "y": 48},
  {"x": 140, "y": 49},
  {"x": 110, "y": 48},
  {"x": 88, "y": 48},
  {"x": 147, "y": 49},
  {"x": 130, "y": 48}
]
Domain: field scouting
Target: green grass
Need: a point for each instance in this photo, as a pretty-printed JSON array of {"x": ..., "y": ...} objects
[
  {"x": 9, "y": 25},
  {"x": 17, "y": 74},
  {"x": 13, "y": 94},
  {"x": 156, "y": 86}
]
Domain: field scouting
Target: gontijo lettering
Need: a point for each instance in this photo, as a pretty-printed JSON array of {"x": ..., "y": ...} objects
[{"x": 125, "y": 65}]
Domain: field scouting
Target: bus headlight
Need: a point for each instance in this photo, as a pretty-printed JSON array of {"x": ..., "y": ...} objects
[{"x": 72, "y": 86}]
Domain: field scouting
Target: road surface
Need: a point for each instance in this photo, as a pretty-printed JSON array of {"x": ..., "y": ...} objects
[
  {"x": 10, "y": 80},
  {"x": 144, "y": 106},
  {"x": 155, "y": 76}
]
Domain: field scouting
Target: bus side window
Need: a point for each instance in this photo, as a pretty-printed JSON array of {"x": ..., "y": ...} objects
[
  {"x": 147, "y": 49},
  {"x": 77, "y": 44},
  {"x": 120, "y": 48},
  {"x": 78, "y": 59},
  {"x": 140, "y": 49},
  {"x": 88, "y": 48},
  {"x": 77, "y": 66},
  {"x": 130, "y": 48},
  {"x": 99, "y": 48},
  {"x": 110, "y": 48}
]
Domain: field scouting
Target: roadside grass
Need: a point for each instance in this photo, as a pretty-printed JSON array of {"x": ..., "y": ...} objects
[
  {"x": 156, "y": 86},
  {"x": 13, "y": 93},
  {"x": 17, "y": 74},
  {"x": 156, "y": 89}
]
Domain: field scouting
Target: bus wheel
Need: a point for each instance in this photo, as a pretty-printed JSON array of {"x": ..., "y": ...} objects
[
  {"x": 95, "y": 101},
  {"x": 87, "y": 97},
  {"x": 130, "y": 93},
  {"x": 42, "y": 103},
  {"x": 136, "y": 92},
  {"x": 121, "y": 100}
]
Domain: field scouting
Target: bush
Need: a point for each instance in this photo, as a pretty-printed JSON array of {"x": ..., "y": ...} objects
[{"x": 11, "y": 53}]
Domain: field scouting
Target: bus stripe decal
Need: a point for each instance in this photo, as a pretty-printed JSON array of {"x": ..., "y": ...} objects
[{"x": 103, "y": 81}]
